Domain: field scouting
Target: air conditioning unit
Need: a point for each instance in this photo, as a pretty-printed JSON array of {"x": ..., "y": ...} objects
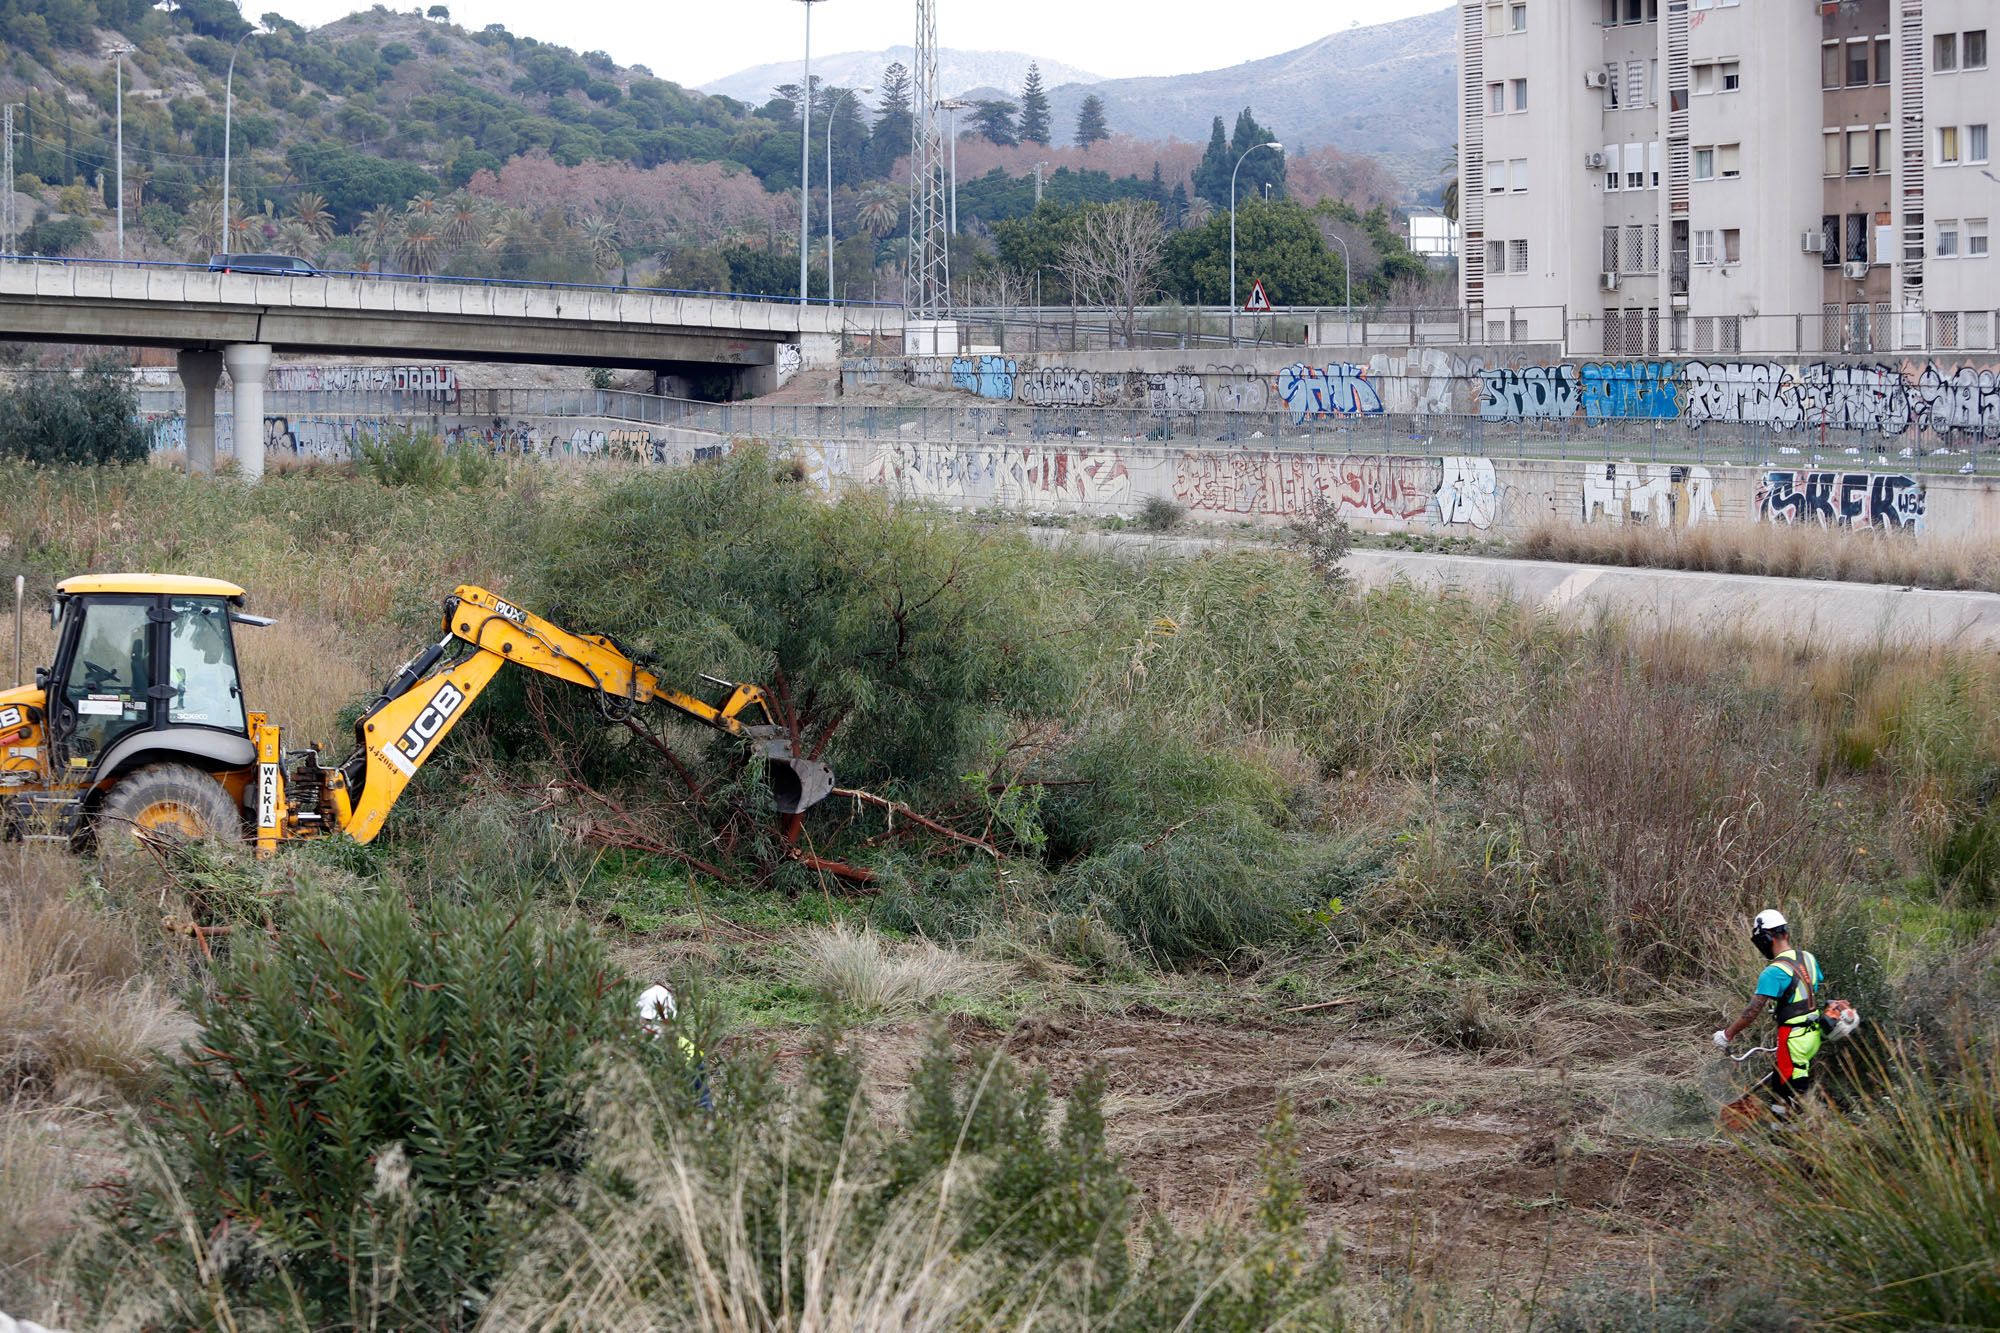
[
  {"x": 1813, "y": 242},
  {"x": 1609, "y": 281},
  {"x": 1593, "y": 161},
  {"x": 1857, "y": 270},
  {"x": 1596, "y": 78}
]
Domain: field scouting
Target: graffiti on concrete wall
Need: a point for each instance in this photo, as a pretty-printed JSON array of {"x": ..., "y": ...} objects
[
  {"x": 328, "y": 438},
  {"x": 1468, "y": 492},
  {"x": 1179, "y": 393},
  {"x": 1668, "y": 495},
  {"x": 823, "y": 463},
  {"x": 1281, "y": 485},
  {"x": 433, "y": 384},
  {"x": 1842, "y": 499},
  {"x": 1877, "y": 399},
  {"x": 1424, "y": 382},
  {"x": 1340, "y": 389},
  {"x": 1003, "y": 474},
  {"x": 1239, "y": 389},
  {"x": 1530, "y": 393},
  {"x": 1061, "y": 386},
  {"x": 791, "y": 360},
  {"x": 987, "y": 376}
]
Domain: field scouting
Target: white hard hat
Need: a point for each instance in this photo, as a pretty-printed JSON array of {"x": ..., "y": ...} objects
[
  {"x": 1770, "y": 921},
  {"x": 656, "y": 1004}
]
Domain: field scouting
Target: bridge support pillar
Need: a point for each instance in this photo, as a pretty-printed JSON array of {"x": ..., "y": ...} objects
[
  {"x": 247, "y": 364},
  {"x": 200, "y": 368}
]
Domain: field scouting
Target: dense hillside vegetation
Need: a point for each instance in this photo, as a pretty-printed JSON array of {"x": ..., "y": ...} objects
[{"x": 399, "y": 141}]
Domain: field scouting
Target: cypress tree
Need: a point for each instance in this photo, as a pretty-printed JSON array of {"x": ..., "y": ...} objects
[
  {"x": 1034, "y": 108},
  {"x": 1090, "y": 124}
]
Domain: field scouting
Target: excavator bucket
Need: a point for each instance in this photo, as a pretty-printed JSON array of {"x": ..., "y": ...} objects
[{"x": 797, "y": 785}]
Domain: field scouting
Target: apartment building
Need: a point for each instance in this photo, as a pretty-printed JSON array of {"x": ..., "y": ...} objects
[{"x": 1720, "y": 176}]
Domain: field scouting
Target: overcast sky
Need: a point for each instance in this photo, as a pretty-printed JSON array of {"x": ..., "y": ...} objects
[{"x": 693, "y": 41}]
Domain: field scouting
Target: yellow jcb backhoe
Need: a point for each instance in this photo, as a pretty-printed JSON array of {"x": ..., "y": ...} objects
[{"x": 141, "y": 722}]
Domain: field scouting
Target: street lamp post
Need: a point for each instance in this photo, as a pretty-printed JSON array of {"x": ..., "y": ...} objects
[
  {"x": 1232, "y": 232},
  {"x": 832, "y": 105},
  {"x": 119, "y": 53},
  {"x": 805, "y": 156},
  {"x": 954, "y": 105},
  {"x": 228, "y": 125},
  {"x": 1347, "y": 268}
]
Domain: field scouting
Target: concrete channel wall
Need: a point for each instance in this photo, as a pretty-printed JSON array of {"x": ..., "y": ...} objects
[
  {"x": 332, "y": 437},
  {"x": 1396, "y": 492}
]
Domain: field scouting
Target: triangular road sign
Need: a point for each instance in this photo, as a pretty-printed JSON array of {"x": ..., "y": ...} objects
[{"x": 1258, "y": 303}]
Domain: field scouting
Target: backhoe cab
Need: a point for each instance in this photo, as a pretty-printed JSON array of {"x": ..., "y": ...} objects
[{"x": 140, "y": 724}]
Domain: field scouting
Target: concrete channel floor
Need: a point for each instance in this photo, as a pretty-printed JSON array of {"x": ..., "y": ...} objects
[{"x": 1805, "y": 611}]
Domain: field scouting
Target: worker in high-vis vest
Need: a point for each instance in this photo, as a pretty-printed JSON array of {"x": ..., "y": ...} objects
[
  {"x": 657, "y": 1012},
  {"x": 1791, "y": 980}
]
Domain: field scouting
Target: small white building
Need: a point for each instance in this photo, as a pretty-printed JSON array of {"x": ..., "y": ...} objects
[{"x": 1435, "y": 237}]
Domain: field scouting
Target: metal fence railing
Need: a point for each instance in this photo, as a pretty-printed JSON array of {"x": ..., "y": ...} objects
[{"x": 1915, "y": 448}]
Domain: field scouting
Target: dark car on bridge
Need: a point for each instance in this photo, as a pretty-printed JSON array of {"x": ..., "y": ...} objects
[{"x": 283, "y": 266}]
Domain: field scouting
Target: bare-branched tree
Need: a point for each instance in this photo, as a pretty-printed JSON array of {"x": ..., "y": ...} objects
[{"x": 1114, "y": 259}]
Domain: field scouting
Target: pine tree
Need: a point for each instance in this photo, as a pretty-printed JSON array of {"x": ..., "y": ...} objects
[
  {"x": 994, "y": 122},
  {"x": 1177, "y": 207},
  {"x": 1259, "y": 168},
  {"x": 1034, "y": 108},
  {"x": 1090, "y": 126},
  {"x": 1211, "y": 177},
  {"x": 891, "y": 138}
]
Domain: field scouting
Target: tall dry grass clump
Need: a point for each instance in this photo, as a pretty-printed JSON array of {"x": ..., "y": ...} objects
[{"x": 1782, "y": 550}]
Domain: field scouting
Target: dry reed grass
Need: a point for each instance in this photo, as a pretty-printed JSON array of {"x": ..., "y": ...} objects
[
  {"x": 1784, "y": 550},
  {"x": 860, "y": 971},
  {"x": 78, "y": 1011}
]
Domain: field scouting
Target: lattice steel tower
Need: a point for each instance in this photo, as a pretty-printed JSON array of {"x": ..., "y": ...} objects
[{"x": 928, "y": 286}]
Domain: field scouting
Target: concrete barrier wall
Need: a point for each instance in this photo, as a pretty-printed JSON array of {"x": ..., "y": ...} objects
[
  {"x": 1445, "y": 494},
  {"x": 1881, "y": 399},
  {"x": 333, "y": 437}
]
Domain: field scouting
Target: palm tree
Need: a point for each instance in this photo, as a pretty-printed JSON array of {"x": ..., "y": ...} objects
[
  {"x": 378, "y": 230},
  {"x": 512, "y": 234},
  {"x": 600, "y": 238},
  {"x": 465, "y": 219},
  {"x": 309, "y": 210},
  {"x": 420, "y": 246},
  {"x": 1450, "y": 200},
  {"x": 881, "y": 208},
  {"x": 425, "y": 205},
  {"x": 295, "y": 238}
]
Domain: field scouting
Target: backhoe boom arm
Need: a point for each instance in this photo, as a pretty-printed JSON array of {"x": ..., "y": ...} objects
[{"x": 426, "y": 699}]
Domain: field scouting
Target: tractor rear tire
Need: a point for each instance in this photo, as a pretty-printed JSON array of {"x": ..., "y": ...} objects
[{"x": 168, "y": 801}]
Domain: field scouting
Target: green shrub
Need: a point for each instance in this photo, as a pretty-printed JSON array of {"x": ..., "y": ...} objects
[
  {"x": 374, "y": 1114},
  {"x": 898, "y": 643},
  {"x": 1891, "y": 1219},
  {"x": 403, "y": 457},
  {"x": 87, "y": 418},
  {"x": 1159, "y": 514}
]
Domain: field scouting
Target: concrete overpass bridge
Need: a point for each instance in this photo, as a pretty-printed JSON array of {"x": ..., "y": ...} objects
[{"x": 239, "y": 320}]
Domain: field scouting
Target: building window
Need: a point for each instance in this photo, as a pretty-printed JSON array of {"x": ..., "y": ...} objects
[
  {"x": 1729, "y": 160},
  {"x": 1858, "y": 144},
  {"x": 1496, "y": 177},
  {"x": 1610, "y": 249},
  {"x": 1976, "y": 242},
  {"x": 1517, "y": 18},
  {"x": 1517, "y": 175},
  {"x": 1947, "y": 145},
  {"x": 1704, "y": 164},
  {"x": 1830, "y": 160},
  {"x": 1975, "y": 143},
  {"x": 1975, "y": 49},
  {"x": 1859, "y": 71},
  {"x": 1944, "y": 52},
  {"x": 1633, "y": 257},
  {"x": 1496, "y": 16},
  {"x": 1732, "y": 245},
  {"x": 1704, "y": 80},
  {"x": 1635, "y": 83},
  {"x": 1857, "y": 238},
  {"x": 1732, "y": 75},
  {"x": 1704, "y": 247},
  {"x": 1829, "y": 64},
  {"x": 1882, "y": 150},
  {"x": 1520, "y": 88},
  {"x": 1517, "y": 254},
  {"x": 1635, "y": 11},
  {"x": 1829, "y": 240},
  {"x": 1496, "y": 256},
  {"x": 1882, "y": 70},
  {"x": 1947, "y": 238},
  {"x": 1496, "y": 99}
]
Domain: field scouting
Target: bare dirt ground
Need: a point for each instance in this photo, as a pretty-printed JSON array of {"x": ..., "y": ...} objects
[{"x": 1498, "y": 1173}]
